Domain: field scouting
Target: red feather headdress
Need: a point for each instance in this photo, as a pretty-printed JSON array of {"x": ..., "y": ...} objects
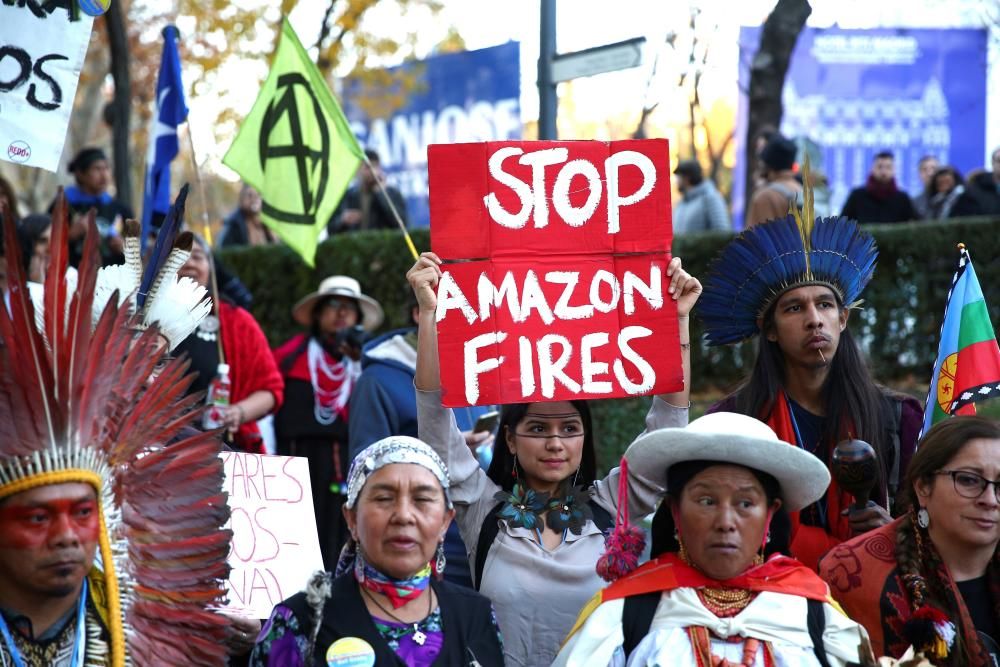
[{"x": 75, "y": 406}]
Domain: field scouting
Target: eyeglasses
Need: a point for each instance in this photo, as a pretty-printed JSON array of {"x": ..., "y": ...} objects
[
  {"x": 340, "y": 304},
  {"x": 969, "y": 484}
]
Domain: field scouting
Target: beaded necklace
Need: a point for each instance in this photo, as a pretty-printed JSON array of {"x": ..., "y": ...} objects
[{"x": 725, "y": 602}]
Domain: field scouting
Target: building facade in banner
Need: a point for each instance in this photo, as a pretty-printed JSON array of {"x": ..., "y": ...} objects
[
  {"x": 853, "y": 93},
  {"x": 470, "y": 96}
]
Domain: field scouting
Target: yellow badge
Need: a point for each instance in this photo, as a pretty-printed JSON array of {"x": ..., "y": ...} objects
[
  {"x": 350, "y": 652},
  {"x": 946, "y": 382}
]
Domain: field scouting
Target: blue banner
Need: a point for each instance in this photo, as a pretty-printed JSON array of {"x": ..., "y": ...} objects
[
  {"x": 456, "y": 97},
  {"x": 853, "y": 93}
]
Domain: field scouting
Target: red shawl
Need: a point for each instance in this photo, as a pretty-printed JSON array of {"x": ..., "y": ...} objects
[
  {"x": 251, "y": 368},
  {"x": 864, "y": 578},
  {"x": 779, "y": 574},
  {"x": 809, "y": 543},
  {"x": 299, "y": 368}
]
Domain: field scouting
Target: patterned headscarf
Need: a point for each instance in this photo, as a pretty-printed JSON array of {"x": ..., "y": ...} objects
[{"x": 394, "y": 449}]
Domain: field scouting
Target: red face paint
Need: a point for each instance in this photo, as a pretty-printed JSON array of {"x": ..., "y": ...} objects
[{"x": 37, "y": 525}]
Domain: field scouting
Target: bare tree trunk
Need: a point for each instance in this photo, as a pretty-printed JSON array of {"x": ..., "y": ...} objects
[
  {"x": 767, "y": 74},
  {"x": 120, "y": 105}
]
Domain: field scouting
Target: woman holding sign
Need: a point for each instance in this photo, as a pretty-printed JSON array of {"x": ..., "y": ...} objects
[
  {"x": 533, "y": 523},
  {"x": 386, "y": 605}
]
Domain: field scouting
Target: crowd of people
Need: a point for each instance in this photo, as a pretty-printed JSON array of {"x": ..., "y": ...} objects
[{"x": 448, "y": 537}]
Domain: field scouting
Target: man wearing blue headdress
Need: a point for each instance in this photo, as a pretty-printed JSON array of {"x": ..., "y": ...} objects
[{"x": 794, "y": 281}]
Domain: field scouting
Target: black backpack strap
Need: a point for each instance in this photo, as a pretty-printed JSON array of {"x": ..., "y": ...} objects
[
  {"x": 897, "y": 417},
  {"x": 602, "y": 517},
  {"x": 892, "y": 414},
  {"x": 487, "y": 534},
  {"x": 816, "y": 621},
  {"x": 637, "y": 616}
]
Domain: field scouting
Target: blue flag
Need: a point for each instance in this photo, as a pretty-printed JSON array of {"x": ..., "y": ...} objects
[{"x": 170, "y": 112}]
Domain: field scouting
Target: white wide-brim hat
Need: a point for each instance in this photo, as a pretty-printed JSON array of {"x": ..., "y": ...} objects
[
  {"x": 734, "y": 439},
  {"x": 371, "y": 312}
]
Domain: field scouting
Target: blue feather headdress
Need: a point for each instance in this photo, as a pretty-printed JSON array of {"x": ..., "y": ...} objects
[{"x": 771, "y": 258}]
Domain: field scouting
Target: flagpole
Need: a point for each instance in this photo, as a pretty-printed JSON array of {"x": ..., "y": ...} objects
[
  {"x": 207, "y": 235},
  {"x": 392, "y": 207}
]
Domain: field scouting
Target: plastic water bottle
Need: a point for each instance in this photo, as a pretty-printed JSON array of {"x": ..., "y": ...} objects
[{"x": 217, "y": 399}]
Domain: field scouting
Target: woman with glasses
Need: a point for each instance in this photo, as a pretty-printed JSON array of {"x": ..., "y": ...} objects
[
  {"x": 931, "y": 579},
  {"x": 533, "y": 523}
]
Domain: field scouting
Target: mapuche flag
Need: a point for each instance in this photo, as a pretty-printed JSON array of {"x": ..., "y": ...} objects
[
  {"x": 296, "y": 148},
  {"x": 968, "y": 362}
]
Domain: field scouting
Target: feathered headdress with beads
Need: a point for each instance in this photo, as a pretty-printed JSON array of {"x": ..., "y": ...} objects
[
  {"x": 154, "y": 292},
  {"x": 768, "y": 259},
  {"x": 76, "y": 406}
]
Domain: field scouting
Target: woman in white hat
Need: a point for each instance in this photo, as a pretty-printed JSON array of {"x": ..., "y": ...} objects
[
  {"x": 719, "y": 590},
  {"x": 534, "y": 523},
  {"x": 320, "y": 368}
]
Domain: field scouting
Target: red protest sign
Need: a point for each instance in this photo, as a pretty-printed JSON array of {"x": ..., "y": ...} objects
[{"x": 566, "y": 296}]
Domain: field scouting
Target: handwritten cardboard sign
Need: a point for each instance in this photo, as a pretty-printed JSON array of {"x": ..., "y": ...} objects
[
  {"x": 555, "y": 283},
  {"x": 275, "y": 547},
  {"x": 42, "y": 54}
]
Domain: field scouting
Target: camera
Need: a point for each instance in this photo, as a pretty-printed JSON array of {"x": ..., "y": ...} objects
[{"x": 352, "y": 336}]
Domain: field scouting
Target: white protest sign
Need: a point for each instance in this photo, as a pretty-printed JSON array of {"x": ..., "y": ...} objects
[
  {"x": 275, "y": 547},
  {"x": 41, "y": 54}
]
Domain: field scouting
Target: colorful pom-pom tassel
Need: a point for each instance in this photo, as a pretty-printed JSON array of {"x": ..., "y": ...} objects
[
  {"x": 623, "y": 548},
  {"x": 930, "y": 631}
]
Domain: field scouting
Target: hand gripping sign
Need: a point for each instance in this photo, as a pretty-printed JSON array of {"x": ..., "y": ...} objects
[{"x": 554, "y": 285}]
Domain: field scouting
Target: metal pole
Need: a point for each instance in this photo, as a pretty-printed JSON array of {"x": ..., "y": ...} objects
[{"x": 547, "y": 101}]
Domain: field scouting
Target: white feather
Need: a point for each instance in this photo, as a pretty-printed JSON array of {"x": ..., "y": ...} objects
[
  {"x": 179, "y": 306},
  {"x": 119, "y": 277}
]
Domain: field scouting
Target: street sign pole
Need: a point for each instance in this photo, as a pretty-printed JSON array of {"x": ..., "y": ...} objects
[
  {"x": 547, "y": 100},
  {"x": 554, "y": 68}
]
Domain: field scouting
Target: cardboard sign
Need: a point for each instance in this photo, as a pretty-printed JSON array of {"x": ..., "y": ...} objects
[
  {"x": 555, "y": 283},
  {"x": 275, "y": 547},
  {"x": 41, "y": 54}
]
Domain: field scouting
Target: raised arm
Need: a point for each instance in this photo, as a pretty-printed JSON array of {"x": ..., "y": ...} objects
[
  {"x": 423, "y": 278},
  {"x": 666, "y": 410},
  {"x": 471, "y": 490},
  {"x": 685, "y": 290},
  {"x": 436, "y": 424}
]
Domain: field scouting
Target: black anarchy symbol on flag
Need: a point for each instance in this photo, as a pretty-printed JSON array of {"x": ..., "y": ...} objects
[{"x": 306, "y": 157}]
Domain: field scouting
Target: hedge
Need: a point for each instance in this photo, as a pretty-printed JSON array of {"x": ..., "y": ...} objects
[{"x": 898, "y": 325}]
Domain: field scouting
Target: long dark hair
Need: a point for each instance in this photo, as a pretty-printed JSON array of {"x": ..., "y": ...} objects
[
  {"x": 918, "y": 561},
  {"x": 663, "y": 527},
  {"x": 853, "y": 400},
  {"x": 29, "y": 231},
  {"x": 501, "y": 469}
]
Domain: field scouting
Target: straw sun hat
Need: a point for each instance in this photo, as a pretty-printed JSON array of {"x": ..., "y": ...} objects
[{"x": 345, "y": 286}]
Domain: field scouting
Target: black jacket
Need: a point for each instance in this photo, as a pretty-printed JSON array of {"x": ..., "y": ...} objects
[
  {"x": 379, "y": 214},
  {"x": 466, "y": 619},
  {"x": 863, "y": 206},
  {"x": 986, "y": 191}
]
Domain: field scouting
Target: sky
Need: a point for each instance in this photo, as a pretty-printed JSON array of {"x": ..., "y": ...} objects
[{"x": 586, "y": 23}]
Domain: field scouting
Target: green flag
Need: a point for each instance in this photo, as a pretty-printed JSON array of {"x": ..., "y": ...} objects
[{"x": 296, "y": 148}]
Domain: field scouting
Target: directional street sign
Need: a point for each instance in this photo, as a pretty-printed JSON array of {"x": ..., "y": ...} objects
[{"x": 600, "y": 59}]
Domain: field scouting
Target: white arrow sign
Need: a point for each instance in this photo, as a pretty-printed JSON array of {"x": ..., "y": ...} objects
[{"x": 600, "y": 59}]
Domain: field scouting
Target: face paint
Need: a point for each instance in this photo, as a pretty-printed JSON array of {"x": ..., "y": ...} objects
[{"x": 33, "y": 526}]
